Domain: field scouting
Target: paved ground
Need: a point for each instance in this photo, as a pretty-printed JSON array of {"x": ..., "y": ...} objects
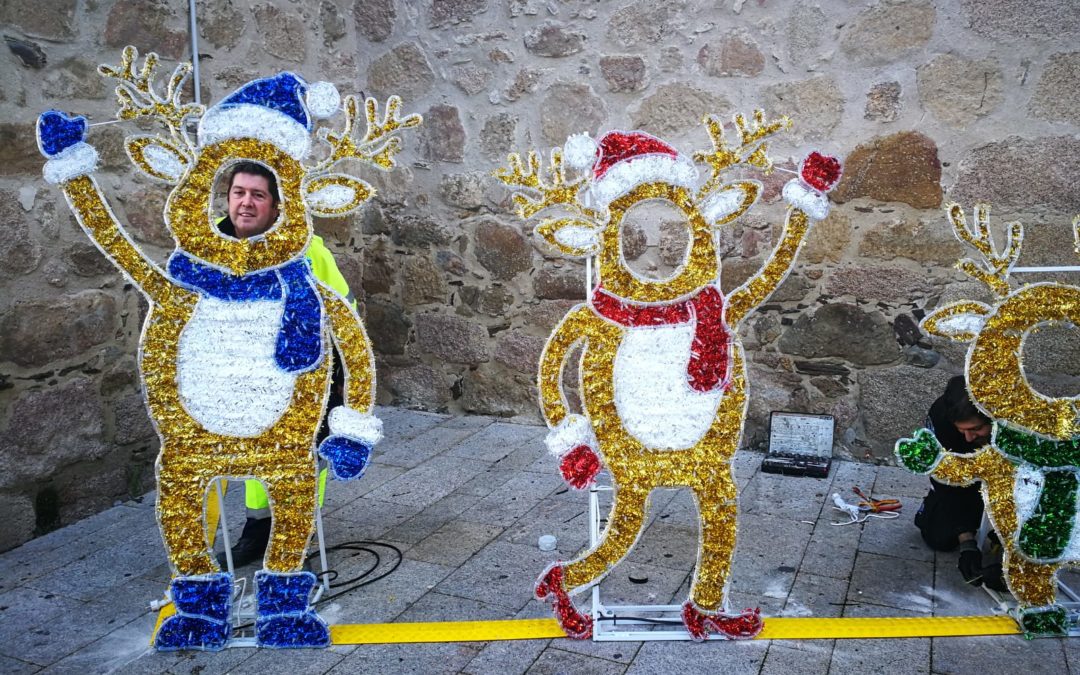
[{"x": 465, "y": 499}]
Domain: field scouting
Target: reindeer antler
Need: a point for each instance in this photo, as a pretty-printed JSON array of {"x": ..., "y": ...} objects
[
  {"x": 553, "y": 191},
  {"x": 137, "y": 96},
  {"x": 995, "y": 271},
  {"x": 750, "y": 151},
  {"x": 378, "y": 146}
]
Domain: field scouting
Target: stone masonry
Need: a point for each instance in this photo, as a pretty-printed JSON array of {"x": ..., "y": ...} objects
[{"x": 928, "y": 100}]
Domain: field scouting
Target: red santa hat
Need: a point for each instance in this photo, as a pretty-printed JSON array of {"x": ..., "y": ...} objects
[{"x": 622, "y": 160}]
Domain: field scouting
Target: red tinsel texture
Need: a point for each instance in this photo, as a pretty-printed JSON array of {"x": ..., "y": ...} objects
[
  {"x": 742, "y": 626},
  {"x": 575, "y": 624},
  {"x": 820, "y": 172},
  {"x": 580, "y": 466}
]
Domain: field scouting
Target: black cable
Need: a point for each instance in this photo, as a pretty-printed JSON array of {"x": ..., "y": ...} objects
[{"x": 641, "y": 619}]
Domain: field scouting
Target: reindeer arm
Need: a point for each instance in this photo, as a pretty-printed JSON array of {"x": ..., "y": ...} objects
[
  {"x": 99, "y": 223},
  {"x": 571, "y": 330},
  {"x": 758, "y": 288},
  {"x": 355, "y": 349}
]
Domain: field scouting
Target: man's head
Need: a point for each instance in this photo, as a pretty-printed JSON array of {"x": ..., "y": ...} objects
[
  {"x": 972, "y": 424},
  {"x": 253, "y": 199}
]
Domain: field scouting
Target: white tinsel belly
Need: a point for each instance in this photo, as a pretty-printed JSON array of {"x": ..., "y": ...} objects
[
  {"x": 226, "y": 373},
  {"x": 652, "y": 395}
]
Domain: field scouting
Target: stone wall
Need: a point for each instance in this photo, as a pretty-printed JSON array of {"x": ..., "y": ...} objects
[{"x": 928, "y": 99}]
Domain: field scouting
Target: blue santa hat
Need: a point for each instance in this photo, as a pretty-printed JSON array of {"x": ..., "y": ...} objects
[{"x": 275, "y": 109}]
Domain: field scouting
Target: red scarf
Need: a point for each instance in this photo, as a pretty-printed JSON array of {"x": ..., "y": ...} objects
[{"x": 710, "y": 353}]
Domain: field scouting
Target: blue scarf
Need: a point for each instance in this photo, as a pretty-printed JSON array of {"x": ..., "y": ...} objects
[{"x": 299, "y": 340}]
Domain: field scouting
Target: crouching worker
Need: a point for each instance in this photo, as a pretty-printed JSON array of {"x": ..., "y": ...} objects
[{"x": 950, "y": 516}]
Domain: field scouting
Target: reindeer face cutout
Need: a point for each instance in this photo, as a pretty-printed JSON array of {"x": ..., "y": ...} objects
[
  {"x": 626, "y": 169},
  {"x": 996, "y": 379},
  {"x": 266, "y": 121}
]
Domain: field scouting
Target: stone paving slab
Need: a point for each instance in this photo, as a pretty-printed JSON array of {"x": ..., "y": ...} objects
[{"x": 465, "y": 500}]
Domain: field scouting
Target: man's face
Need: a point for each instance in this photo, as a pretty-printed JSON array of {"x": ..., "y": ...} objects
[
  {"x": 974, "y": 430},
  {"x": 251, "y": 205}
]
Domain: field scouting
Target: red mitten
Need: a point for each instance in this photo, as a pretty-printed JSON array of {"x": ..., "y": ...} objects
[{"x": 580, "y": 466}]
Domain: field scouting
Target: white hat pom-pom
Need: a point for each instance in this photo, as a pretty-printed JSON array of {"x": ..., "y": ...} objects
[
  {"x": 579, "y": 151},
  {"x": 323, "y": 99}
]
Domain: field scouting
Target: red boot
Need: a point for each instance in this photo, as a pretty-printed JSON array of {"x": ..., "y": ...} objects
[
  {"x": 741, "y": 626},
  {"x": 576, "y": 625}
]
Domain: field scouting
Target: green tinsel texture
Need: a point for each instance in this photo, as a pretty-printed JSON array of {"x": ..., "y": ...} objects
[
  {"x": 1040, "y": 622},
  {"x": 918, "y": 454},
  {"x": 1020, "y": 445},
  {"x": 1046, "y": 533}
]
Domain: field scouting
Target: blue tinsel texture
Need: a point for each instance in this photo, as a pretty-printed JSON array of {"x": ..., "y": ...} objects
[
  {"x": 284, "y": 619},
  {"x": 58, "y": 132},
  {"x": 348, "y": 457}
]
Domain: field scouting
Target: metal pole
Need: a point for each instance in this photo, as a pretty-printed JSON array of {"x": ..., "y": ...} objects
[{"x": 194, "y": 30}]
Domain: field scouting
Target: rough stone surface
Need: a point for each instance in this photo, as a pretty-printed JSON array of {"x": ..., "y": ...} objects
[
  {"x": 488, "y": 393},
  {"x": 423, "y": 281},
  {"x": 132, "y": 421},
  {"x": 902, "y": 167},
  {"x": 733, "y": 55},
  {"x": 844, "y": 331},
  {"x": 815, "y": 106},
  {"x": 452, "y": 12},
  {"x": 877, "y": 283},
  {"x": 883, "y": 102},
  {"x": 525, "y": 82},
  {"x": 404, "y": 71},
  {"x": 555, "y": 284},
  {"x": 927, "y": 242},
  {"x": 570, "y": 109},
  {"x": 646, "y": 22},
  {"x": 51, "y": 428},
  {"x": 144, "y": 217},
  {"x": 806, "y": 33},
  {"x": 828, "y": 239},
  {"x": 519, "y": 350},
  {"x": 886, "y": 31},
  {"x": 624, "y": 72},
  {"x": 959, "y": 91},
  {"x": 497, "y": 136},
  {"x": 884, "y": 420},
  {"x": 416, "y": 386},
  {"x": 20, "y": 253},
  {"x": 1038, "y": 19},
  {"x": 1022, "y": 172},
  {"x": 443, "y": 136},
  {"x": 452, "y": 338},
  {"x": 463, "y": 190},
  {"x": 17, "y": 525},
  {"x": 36, "y": 332},
  {"x": 1057, "y": 96},
  {"x": 145, "y": 24},
  {"x": 50, "y": 19},
  {"x": 554, "y": 39},
  {"x": 374, "y": 18},
  {"x": 221, "y": 23},
  {"x": 74, "y": 78},
  {"x": 472, "y": 79},
  {"x": 387, "y": 326},
  {"x": 18, "y": 150},
  {"x": 502, "y": 249},
  {"x": 676, "y": 108}
]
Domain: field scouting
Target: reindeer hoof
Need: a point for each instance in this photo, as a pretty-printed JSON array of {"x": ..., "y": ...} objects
[
  {"x": 576, "y": 625},
  {"x": 742, "y": 626},
  {"x": 1047, "y": 621}
]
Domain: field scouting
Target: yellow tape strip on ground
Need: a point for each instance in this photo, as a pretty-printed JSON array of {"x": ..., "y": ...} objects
[{"x": 776, "y": 628}]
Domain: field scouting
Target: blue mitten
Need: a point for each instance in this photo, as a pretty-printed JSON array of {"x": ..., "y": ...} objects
[
  {"x": 348, "y": 457},
  {"x": 56, "y": 132}
]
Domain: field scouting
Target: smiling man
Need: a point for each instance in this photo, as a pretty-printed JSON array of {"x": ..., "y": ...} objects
[{"x": 253, "y": 210}]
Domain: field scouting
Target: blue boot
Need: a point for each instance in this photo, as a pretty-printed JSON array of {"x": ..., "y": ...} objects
[
  {"x": 201, "y": 620},
  {"x": 284, "y": 618}
]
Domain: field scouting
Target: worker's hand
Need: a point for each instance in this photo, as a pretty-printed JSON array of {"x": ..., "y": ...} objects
[
  {"x": 580, "y": 466},
  {"x": 352, "y": 436},
  {"x": 921, "y": 453},
  {"x": 61, "y": 138},
  {"x": 970, "y": 563}
]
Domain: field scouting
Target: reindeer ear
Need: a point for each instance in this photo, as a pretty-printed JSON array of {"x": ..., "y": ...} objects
[
  {"x": 570, "y": 236},
  {"x": 158, "y": 158},
  {"x": 335, "y": 194},
  {"x": 960, "y": 321},
  {"x": 730, "y": 201}
]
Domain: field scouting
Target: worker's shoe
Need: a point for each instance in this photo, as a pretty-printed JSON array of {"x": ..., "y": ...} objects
[
  {"x": 251, "y": 546},
  {"x": 201, "y": 620},
  {"x": 284, "y": 617}
]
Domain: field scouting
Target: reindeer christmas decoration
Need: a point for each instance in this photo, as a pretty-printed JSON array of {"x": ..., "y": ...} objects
[
  {"x": 1030, "y": 470},
  {"x": 663, "y": 378},
  {"x": 235, "y": 353}
]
